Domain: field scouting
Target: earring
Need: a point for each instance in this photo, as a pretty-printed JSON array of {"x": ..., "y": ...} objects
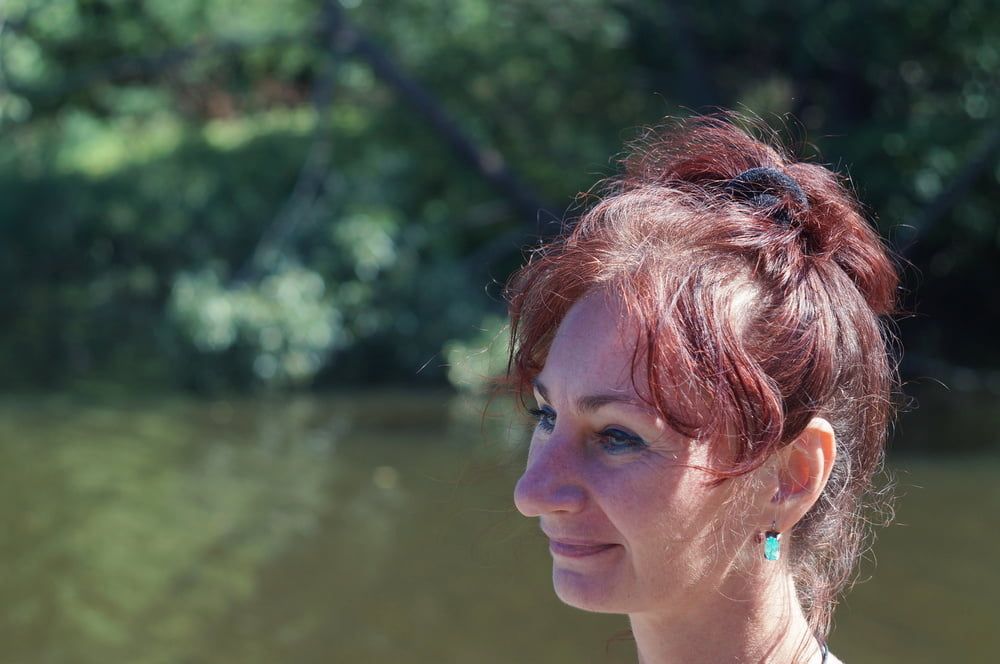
[{"x": 772, "y": 547}]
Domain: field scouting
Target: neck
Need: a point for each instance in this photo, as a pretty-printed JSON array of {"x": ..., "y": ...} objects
[{"x": 740, "y": 622}]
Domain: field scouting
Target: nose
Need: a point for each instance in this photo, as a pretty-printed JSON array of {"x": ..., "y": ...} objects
[{"x": 551, "y": 481}]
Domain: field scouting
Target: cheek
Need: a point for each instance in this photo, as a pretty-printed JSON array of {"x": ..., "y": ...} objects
[{"x": 659, "y": 510}]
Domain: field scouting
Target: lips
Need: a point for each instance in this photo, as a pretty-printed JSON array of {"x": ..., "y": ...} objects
[{"x": 576, "y": 549}]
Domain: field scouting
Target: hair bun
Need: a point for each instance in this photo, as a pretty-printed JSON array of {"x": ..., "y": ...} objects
[
  {"x": 718, "y": 160},
  {"x": 837, "y": 228}
]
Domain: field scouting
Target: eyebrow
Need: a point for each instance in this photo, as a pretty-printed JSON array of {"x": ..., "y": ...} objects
[{"x": 589, "y": 404}]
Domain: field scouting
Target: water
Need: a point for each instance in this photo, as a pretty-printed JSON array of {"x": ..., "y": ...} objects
[{"x": 379, "y": 528}]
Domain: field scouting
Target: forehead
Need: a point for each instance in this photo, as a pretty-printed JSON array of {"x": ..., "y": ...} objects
[{"x": 593, "y": 348}]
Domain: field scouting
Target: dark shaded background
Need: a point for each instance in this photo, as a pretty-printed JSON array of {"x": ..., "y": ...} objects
[{"x": 216, "y": 196}]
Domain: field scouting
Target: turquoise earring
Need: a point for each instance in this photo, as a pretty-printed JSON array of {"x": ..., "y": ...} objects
[{"x": 772, "y": 547}]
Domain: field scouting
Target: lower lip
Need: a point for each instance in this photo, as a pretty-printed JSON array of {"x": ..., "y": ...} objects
[{"x": 576, "y": 551}]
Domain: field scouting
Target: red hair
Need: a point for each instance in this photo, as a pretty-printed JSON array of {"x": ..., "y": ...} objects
[{"x": 769, "y": 323}]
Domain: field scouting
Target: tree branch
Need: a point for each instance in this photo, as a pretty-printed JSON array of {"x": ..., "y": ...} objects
[
  {"x": 487, "y": 162},
  {"x": 314, "y": 177}
]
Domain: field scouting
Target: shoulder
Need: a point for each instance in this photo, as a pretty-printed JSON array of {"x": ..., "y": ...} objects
[{"x": 832, "y": 659}]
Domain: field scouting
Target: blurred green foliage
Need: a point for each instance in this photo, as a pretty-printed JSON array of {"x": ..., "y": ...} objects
[{"x": 156, "y": 228}]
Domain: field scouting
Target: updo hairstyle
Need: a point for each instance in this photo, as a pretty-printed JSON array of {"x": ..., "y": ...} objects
[{"x": 767, "y": 296}]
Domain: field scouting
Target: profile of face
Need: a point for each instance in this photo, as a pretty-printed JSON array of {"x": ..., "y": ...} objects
[{"x": 631, "y": 528}]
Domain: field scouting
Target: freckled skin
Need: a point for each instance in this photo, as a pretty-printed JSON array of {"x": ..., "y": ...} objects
[{"x": 658, "y": 511}]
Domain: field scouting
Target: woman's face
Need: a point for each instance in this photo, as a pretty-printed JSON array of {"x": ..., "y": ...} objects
[{"x": 606, "y": 477}]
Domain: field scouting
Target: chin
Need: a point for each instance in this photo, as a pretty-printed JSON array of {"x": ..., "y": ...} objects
[{"x": 588, "y": 592}]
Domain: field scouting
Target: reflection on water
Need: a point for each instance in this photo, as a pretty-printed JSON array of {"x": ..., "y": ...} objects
[
  {"x": 129, "y": 529},
  {"x": 377, "y": 528}
]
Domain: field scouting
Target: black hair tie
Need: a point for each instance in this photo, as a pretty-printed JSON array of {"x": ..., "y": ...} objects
[{"x": 766, "y": 187}]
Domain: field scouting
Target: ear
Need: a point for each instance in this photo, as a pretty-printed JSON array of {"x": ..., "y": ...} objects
[{"x": 799, "y": 473}]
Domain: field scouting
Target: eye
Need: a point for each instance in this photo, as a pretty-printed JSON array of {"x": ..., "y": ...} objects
[
  {"x": 545, "y": 416},
  {"x": 616, "y": 441}
]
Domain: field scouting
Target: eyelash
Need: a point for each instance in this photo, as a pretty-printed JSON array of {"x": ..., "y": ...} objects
[{"x": 629, "y": 444}]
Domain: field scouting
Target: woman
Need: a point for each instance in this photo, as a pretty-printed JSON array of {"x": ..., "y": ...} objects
[{"x": 708, "y": 353}]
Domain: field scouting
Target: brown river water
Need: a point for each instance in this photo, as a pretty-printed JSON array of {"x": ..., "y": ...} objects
[{"x": 379, "y": 527}]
